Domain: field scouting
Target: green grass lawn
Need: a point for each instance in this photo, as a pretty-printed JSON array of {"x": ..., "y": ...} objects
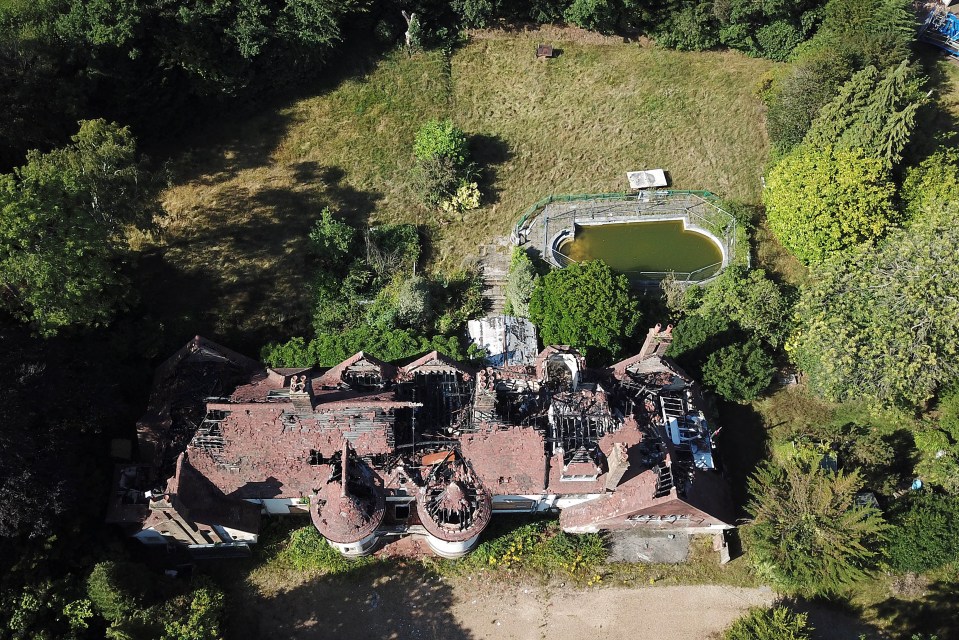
[{"x": 231, "y": 256}]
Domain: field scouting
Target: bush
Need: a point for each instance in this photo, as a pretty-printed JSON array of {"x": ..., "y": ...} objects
[
  {"x": 414, "y": 307},
  {"x": 332, "y": 239},
  {"x": 441, "y": 139},
  {"x": 820, "y": 201},
  {"x": 923, "y": 535},
  {"x": 538, "y": 547},
  {"x": 774, "y": 623},
  {"x": 465, "y": 198},
  {"x": 588, "y": 307},
  {"x": 739, "y": 372}
]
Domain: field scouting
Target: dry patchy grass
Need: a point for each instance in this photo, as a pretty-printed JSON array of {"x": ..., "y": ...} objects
[{"x": 231, "y": 260}]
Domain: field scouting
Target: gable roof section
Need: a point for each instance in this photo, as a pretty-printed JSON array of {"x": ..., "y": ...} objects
[
  {"x": 434, "y": 360},
  {"x": 334, "y": 377}
]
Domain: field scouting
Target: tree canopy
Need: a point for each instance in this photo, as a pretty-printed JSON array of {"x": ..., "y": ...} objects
[
  {"x": 61, "y": 221},
  {"x": 588, "y": 307},
  {"x": 820, "y": 201},
  {"x": 883, "y": 322},
  {"x": 875, "y": 112},
  {"x": 808, "y": 533}
]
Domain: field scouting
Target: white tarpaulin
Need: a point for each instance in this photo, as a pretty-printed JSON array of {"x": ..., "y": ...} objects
[
  {"x": 646, "y": 179},
  {"x": 506, "y": 339}
]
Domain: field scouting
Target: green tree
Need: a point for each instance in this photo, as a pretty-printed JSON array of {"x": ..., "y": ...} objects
[
  {"x": 748, "y": 298},
  {"x": 773, "y": 623},
  {"x": 808, "y": 534},
  {"x": 595, "y": 15},
  {"x": 62, "y": 217},
  {"x": 588, "y": 307},
  {"x": 820, "y": 201},
  {"x": 883, "y": 322},
  {"x": 796, "y": 96},
  {"x": 874, "y": 112},
  {"x": 739, "y": 372}
]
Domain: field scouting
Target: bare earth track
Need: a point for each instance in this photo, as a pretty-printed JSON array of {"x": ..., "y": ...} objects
[{"x": 414, "y": 607}]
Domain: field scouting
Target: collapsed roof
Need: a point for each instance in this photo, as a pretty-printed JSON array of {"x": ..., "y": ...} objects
[{"x": 433, "y": 447}]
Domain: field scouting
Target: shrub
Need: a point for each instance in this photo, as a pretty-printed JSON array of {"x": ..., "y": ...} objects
[
  {"x": 332, "y": 239},
  {"x": 435, "y": 180},
  {"x": 819, "y": 201},
  {"x": 441, "y": 139},
  {"x": 774, "y": 623},
  {"x": 414, "y": 307},
  {"x": 466, "y": 198},
  {"x": 923, "y": 535},
  {"x": 588, "y": 307},
  {"x": 739, "y": 372}
]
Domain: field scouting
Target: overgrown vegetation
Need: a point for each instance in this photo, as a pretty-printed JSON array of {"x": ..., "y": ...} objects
[
  {"x": 402, "y": 313},
  {"x": 774, "y": 623},
  {"x": 537, "y": 548}
]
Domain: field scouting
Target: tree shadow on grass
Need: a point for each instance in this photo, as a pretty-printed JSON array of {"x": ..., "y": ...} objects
[
  {"x": 833, "y": 620},
  {"x": 239, "y": 270},
  {"x": 742, "y": 442},
  {"x": 488, "y": 151},
  {"x": 936, "y": 612},
  {"x": 383, "y": 600}
]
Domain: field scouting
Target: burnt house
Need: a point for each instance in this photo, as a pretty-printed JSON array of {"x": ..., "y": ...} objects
[{"x": 434, "y": 448}]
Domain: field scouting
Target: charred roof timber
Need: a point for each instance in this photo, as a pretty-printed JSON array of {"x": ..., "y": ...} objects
[{"x": 445, "y": 445}]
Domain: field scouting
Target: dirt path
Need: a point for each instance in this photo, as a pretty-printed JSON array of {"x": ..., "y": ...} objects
[
  {"x": 692, "y": 612},
  {"x": 413, "y": 606}
]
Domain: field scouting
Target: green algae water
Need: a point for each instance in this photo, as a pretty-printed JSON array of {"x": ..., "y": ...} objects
[{"x": 635, "y": 247}]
